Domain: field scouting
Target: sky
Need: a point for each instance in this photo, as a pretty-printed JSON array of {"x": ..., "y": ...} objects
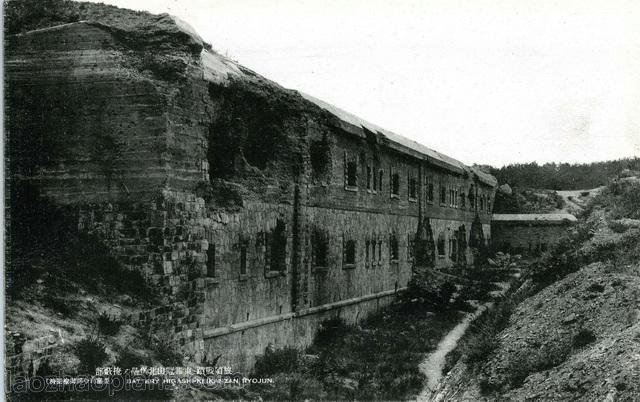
[{"x": 484, "y": 81}]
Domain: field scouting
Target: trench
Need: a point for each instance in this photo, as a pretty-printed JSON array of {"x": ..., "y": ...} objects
[{"x": 432, "y": 366}]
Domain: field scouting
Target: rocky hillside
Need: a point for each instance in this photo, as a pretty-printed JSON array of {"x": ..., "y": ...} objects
[{"x": 572, "y": 329}]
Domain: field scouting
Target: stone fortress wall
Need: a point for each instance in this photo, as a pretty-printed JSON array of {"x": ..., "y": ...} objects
[
  {"x": 529, "y": 233},
  {"x": 255, "y": 211}
]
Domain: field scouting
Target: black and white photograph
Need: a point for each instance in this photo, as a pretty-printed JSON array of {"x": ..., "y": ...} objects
[{"x": 321, "y": 200}]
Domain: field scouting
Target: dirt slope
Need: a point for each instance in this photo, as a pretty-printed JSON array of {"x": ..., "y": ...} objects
[
  {"x": 579, "y": 337},
  {"x": 576, "y": 200}
]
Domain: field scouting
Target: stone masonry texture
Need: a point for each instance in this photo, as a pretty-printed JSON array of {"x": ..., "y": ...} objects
[{"x": 226, "y": 190}]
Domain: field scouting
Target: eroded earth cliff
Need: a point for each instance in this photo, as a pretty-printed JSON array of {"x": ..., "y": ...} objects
[{"x": 572, "y": 330}]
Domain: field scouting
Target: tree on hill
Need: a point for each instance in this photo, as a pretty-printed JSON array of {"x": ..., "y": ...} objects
[{"x": 563, "y": 176}]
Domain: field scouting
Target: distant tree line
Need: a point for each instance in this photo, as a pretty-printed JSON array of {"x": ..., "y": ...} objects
[{"x": 563, "y": 176}]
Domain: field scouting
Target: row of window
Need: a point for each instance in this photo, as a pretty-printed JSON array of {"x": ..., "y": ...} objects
[
  {"x": 373, "y": 251},
  {"x": 455, "y": 197},
  {"x": 273, "y": 246},
  {"x": 452, "y": 196},
  {"x": 374, "y": 181}
]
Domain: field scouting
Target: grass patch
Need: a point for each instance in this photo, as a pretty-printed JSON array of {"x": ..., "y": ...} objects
[
  {"x": 108, "y": 325},
  {"x": 478, "y": 291},
  {"x": 376, "y": 360},
  {"x": 618, "y": 227},
  {"x": 91, "y": 353},
  {"x": 59, "y": 304},
  {"x": 521, "y": 366},
  {"x": 487, "y": 274},
  {"x": 483, "y": 333},
  {"x": 276, "y": 361},
  {"x": 450, "y": 360},
  {"x": 128, "y": 359},
  {"x": 165, "y": 351},
  {"x": 427, "y": 290},
  {"x": 481, "y": 339}
]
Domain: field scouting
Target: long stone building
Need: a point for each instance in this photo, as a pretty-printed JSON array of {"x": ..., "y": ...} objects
[
  {"x": 530, "y": 233},
  {"x": 256, "y": 211}
]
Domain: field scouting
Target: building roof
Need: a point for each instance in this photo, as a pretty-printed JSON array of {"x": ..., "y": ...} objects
[
  {"x": 484, "y": 177},
  {"x": 220, "y": 69},
  {"x": 423, "y": 151},
  {"x": 548, "y": 219}
]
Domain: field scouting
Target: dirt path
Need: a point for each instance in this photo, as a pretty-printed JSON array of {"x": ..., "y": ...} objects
[
  {"x": 433, "y": 365},
  {"x": 575, "y": 201}
]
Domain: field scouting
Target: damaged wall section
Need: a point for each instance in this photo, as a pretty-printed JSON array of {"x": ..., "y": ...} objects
[{"x": 255, "y": 211}]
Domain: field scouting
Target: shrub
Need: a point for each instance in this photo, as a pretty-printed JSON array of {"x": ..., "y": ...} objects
[
  {"x": 166, "y": 352},
  {"x": 374, "y": 360},
  {"x": 427, "y": 291},
  {"x": 91, "y": 353},
  {"x": 406, "y": 382},
  {"x": 481, "y": 345},
  {"x": 554, "y": 265},
  {"x": 521, "y": 365},
  {"x": 275, "y": 361},
  {"x": 482, "y": 338},
  {"x": 583, "y": 338},
  {"x": 622, "y": 197},
  {"x": 617, "y": 226},
  {"x": 630, "y": 244},
  {"x": 584, "y": 232},
  {"x": 479, "y": 291},
  {"x": 30, "y": 14},
  {"x": 108, "y": 325},
  {"x": 488, "y": 274},
  {"x": 330, "y": 331},
  {"x": 128, "y": 359},
  {"x": 518, "y": 369},
  {"x": 487, "y": 386},
  {"x": 59, "y": 304},
  {"x": 630, "y": 203},
  {"x": 450, "y": 360}
]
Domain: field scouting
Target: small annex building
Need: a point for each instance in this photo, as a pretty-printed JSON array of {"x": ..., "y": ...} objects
[{"x": 529, "y": 233}]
